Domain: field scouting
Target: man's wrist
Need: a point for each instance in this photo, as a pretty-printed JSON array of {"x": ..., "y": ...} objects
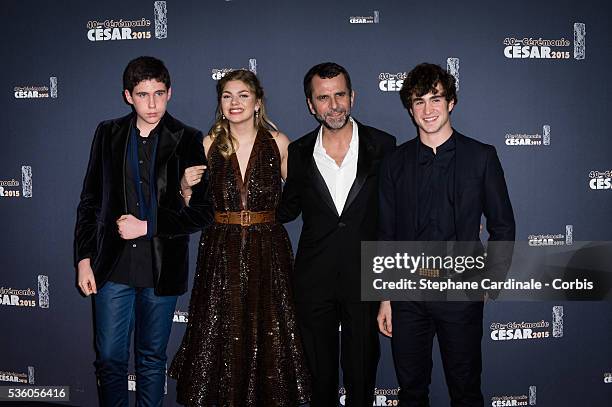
[
  {"x": 86, "y": 262},
  {"x": 184, "y": 185},
  {"x": 144, "y": 227}
]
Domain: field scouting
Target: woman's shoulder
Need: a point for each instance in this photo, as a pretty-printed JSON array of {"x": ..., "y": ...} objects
[
  {"x": 208, "y": 142},
  {"x": 280, "y": 138}
]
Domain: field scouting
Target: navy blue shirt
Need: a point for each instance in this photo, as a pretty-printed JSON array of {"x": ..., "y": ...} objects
[{"x": 135, "y": 265}]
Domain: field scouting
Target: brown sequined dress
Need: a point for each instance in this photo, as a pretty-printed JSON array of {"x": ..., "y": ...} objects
[{"x": 241, "y": 346}]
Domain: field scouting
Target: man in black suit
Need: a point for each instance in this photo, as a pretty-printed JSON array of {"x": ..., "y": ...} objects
[
  {"x": 332, "y": 181},
  {"x": 436, "y": 187},
  {"x": 132, "y": 232}
]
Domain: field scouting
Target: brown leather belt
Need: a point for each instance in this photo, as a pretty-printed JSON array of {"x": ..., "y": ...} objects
[{"x": 245, "y": 218}]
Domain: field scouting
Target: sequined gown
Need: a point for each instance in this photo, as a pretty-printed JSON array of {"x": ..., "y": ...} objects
[{"x": 241, "y": 346}]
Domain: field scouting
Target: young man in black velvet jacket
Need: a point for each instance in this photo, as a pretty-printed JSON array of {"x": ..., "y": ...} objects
[{"x": 132, "y": 232}]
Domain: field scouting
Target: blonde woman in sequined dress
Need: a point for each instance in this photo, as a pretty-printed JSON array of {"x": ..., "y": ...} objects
[{"x": 242, "y": 345}]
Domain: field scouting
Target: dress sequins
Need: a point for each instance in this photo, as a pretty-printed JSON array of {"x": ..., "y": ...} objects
[{"x": 242, "y": 346}]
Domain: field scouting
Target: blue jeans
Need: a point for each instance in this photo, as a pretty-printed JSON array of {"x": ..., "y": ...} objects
[{"x": 118, "y": 310}]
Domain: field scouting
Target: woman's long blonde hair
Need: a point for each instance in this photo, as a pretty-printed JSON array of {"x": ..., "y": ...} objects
[{"x": 220, "y": 131}]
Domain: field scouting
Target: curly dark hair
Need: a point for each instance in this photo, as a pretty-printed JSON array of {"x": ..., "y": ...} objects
[
  {"x": 142, "y": 69},
  {"x": 325, "y": 70},
  {"x": 423, "y": 79}
]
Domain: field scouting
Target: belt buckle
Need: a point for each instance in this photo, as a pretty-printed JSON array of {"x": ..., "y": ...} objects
[{"x": 245, "y": 218}]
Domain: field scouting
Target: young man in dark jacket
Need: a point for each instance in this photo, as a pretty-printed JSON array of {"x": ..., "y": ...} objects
[{"x": 132, "y": 232}]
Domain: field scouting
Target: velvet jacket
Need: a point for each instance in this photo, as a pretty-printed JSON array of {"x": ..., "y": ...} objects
[{"x": 103, "y": 201}]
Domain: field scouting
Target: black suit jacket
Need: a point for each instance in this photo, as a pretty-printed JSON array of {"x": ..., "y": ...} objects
[
  {"x": 327, "y": 262},
  {"x": 480, "y": 188},
  {"x": 103, "y": 201}
]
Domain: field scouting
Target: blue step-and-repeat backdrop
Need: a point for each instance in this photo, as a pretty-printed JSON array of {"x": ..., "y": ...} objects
[{"x": 534, "y": 81}]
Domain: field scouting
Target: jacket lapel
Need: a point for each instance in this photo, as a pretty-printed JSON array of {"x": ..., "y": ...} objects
[
  {"x": 414, "y": 186},
  {"x": 366, "y": 157},
  {"x": 460, "y": 164},
  {"x": 169, "y": 138},
  {"x": 317, "y": 179},
  {"x": 119, "y": 138},
  {"x": 118, "y": 145}
]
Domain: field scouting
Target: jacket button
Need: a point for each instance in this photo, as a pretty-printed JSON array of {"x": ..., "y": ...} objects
[{"x": 341, "y": 224}]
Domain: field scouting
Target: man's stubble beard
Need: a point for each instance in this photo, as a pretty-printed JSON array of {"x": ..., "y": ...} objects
[{"x": 336, "y": 124}]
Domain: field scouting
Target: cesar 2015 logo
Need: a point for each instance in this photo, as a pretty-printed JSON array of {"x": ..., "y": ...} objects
[{"x": 127, "y": 29}]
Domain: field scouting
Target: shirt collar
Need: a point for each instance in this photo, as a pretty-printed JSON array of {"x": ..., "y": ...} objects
[
  {"x": 353, "y": 145},
  {"x": 448, "y": 145},
  {"x": 153, "y": 132}
]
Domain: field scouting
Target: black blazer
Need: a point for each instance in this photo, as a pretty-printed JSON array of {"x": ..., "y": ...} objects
[
  {"x": 103, "y": 201},
  {"x": 327, "y": 262},
  {"x": 480, "y": 188}
]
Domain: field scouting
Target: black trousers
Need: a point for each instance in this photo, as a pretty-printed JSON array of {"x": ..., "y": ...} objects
[
  {"x": 358, "y": 351},
  {"x": 459, "y": 329}
]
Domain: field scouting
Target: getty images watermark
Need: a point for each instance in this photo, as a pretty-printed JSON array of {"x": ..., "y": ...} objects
[{"x": 467, "y": 271}]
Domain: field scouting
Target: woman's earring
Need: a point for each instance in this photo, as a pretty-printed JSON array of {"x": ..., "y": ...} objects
[{"x": 222, "y": 116}]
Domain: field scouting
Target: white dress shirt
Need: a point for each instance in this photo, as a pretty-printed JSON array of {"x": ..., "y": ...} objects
[{"x": 338, "y": 179}]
